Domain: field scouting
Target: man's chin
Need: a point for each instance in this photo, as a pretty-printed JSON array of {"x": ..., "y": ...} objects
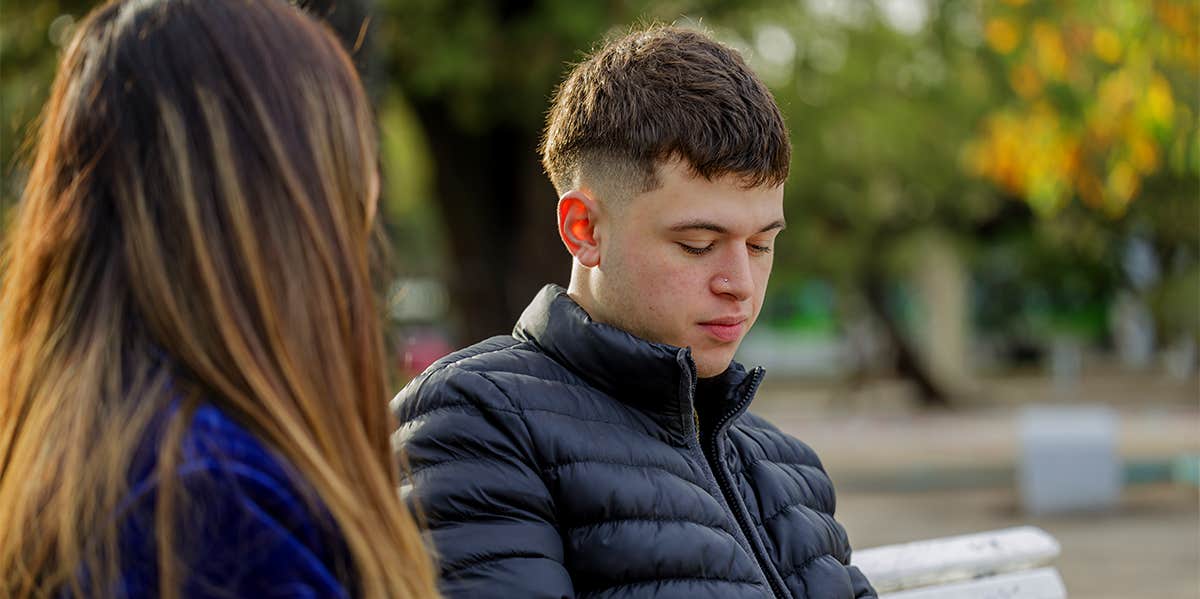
[{"x": 710, "y": 366}]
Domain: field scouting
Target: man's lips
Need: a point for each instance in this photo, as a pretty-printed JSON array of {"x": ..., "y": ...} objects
[{"x": 725, "y": 329}]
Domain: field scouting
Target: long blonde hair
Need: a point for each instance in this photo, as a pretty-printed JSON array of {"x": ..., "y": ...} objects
[{"x": 198, "y": 216}]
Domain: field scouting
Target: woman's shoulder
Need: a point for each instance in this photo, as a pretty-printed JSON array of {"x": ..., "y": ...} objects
[
  {"x": 217, "y": 444},
  {"x": 222, "y": 457},
  {"x": 244, "y": 519}
]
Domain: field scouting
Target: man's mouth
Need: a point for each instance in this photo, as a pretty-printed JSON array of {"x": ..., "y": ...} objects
[{"x": 725, "y": 329}]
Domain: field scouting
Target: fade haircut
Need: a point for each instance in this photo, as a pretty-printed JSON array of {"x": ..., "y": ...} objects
[{"x": 659, "y": 94}]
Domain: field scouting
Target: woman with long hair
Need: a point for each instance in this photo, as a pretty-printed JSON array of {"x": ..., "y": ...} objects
[{"x": 192, "y": 375}]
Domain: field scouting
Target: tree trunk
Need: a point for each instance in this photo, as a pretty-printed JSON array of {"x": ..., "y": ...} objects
[
  {"x": 908, "y": 362},
  {"x": 499, "y": 214},
  {"x": 931, "y": 394},
  {"x": 497, "y": 206}
]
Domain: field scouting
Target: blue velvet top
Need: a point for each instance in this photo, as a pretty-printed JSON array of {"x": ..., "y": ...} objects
[{"x": 247, "y": 530}]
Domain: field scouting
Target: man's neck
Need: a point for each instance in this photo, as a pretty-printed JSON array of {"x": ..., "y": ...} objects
[{"x": 579, "y": 291}]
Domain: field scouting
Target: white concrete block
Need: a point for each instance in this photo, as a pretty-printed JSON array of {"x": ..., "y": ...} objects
[{"x": 1069, "y": 459}]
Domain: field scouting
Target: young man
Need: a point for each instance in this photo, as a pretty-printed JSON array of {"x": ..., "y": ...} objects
[{"x": 604, "y": 449}]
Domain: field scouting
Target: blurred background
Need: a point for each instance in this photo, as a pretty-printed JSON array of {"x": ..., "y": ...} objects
[{"x": 994, "y": 207}]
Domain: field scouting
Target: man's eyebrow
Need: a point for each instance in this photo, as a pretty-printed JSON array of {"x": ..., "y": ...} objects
[
  {"x": 779, "y": 224},
  {"x": 699, "y": 225},
  {"x": 704, "y": 225}
]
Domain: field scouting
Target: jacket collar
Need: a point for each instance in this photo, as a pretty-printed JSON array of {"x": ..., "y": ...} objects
[{"x": 654, "y": 377}]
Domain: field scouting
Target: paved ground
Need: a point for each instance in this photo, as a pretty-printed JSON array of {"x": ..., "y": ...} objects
[{"x": 1148, "y": 546}]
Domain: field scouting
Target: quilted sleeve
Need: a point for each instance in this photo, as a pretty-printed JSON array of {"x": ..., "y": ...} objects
[
  {"x": 862, "y": 587},
  {"x": 472, "y": 479}
]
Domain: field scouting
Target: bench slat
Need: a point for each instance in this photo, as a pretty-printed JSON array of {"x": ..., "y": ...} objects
[
  {"x": 1043, "y": 583},
  {"x": 950, "y": 559}
]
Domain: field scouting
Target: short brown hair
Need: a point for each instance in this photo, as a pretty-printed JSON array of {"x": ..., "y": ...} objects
[{"x": 662, "y": 93}]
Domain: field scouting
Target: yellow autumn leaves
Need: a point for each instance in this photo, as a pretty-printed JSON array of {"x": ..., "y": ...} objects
[{"x": 1094, "y": 111}]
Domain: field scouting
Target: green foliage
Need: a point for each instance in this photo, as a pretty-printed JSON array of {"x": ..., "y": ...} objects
[
  {"x": 950, "y": 116},
  {"x": 31, "y": 36},
  {"x": 406, "y": 204},
  {"x": 496, "y": 63},
  {"x": 877, "y": 118}
]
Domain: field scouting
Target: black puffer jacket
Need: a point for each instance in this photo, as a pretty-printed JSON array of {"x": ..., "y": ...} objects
[{"x": 565, "y": 461}]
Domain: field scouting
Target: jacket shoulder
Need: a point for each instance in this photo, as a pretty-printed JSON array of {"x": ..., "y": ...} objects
[{"x": 480, "y": 374}]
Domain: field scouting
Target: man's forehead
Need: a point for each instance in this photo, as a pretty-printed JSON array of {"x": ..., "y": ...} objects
[
  {"x": 693, "y": 197},
  {"x": 678, "y": 168},
  {"x": 721, "y": 211}
]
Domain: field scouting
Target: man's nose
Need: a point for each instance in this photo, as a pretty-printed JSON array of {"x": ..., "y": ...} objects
[{"x": 734, "y": 278}]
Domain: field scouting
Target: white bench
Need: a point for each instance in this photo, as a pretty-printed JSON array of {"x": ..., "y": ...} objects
[{"x": 1003, "y": 564}]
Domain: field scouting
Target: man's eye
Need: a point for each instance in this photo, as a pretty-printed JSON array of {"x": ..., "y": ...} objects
[
  {"x": 759, "y": 249},
  {"x": 695, "y": 250}
]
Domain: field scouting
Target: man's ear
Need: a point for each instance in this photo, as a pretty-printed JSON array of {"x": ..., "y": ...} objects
[{"x": 577, "y": 217}]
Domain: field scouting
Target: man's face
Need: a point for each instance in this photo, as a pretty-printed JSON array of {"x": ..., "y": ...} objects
[{"x": 687, "y": 263}]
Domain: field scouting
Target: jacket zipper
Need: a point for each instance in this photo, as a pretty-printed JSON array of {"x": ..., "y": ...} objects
[
  {"x": 718, "y": 470},
  {"x": 727, "y": 496}
]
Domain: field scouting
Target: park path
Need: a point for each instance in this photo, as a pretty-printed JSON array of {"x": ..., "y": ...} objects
[{"x": 874, "y": 444}]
